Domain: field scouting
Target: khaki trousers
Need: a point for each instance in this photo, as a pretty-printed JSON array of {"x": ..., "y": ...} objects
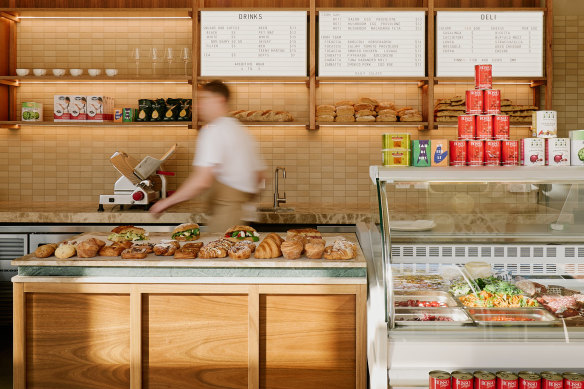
[{"x": 225, "y": 206}]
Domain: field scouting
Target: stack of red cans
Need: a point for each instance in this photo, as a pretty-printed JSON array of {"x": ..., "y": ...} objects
[
  {"x": 483, "y": 133},
  {"x": 505, "y": 380}
]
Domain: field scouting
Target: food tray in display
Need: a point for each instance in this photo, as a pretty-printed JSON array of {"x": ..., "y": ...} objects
[
  {"x": 537, "y": 317},
  {"x": 426, "y": 295},
  {"x": 406, "y": 317},
  {"x": 418, "y": 282}
]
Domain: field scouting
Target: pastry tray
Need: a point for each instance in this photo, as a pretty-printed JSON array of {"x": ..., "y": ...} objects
[
  {"x": 406, "y": 317},
  {"x": 540, "y": 317},
  {"x": 426, "y": 295}
]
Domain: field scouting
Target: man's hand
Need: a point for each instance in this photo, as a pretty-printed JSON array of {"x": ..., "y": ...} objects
[{"x": 159, "y": 207}]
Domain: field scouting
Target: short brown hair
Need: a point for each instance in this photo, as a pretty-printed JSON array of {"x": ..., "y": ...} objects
[{"x": 217, "y": 87}]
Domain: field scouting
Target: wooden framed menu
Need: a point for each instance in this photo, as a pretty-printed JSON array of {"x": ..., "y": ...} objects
[
  {"x": 253, "y": 43},
  {"x": 372, "y": 44},
  {"x": 512, "y": 41}
]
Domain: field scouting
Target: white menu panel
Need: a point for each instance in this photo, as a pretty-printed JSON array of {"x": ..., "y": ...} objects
[
  {"x": 372, "y": 44},
  {"x": 253, "y": 43},
  {"x": 511, "y": 41}
]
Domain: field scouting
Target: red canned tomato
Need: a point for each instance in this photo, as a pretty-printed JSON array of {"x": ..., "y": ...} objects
[
  {"x": 573, "y": 381},
  {"x": 462, "y": 380},
  {"x": 501, "y": 127},
  {"x": 439, "y": 379},
  {"x": 552, "y": 380},
  {"x": 506, "y": 379},
  {"x": 484, "y": 126},
  {"x": 483, "y": 76},
  {"x": 492, "y": 152},
  {"x": 509, "y": 152},
  {"x": 529, "y": 380},
  {"x": 475, "y": 153},
  {"x": 492, "y": 101},
  {"x": 466, "y": 127},
  {"x": 458, "y": 153},
  {"x": 474, "y": 102},
  {"x": 484, "y": 380}
]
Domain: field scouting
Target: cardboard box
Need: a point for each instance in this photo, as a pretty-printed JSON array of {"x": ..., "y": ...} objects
[
  {"x": 439, "y": 153},
  {"x": 100, "y": 108},
  {"x": 32, "y": 112},
  {"x": 532, "y": 151},
  {"x": 421, "y": 150},
  {"x": 118, "y": 114},
  {"x": 61, "y": 108},
  {"x": 77, "y": 107},
  {"x": 577, "y": 148},
  {"x": 557, "y": 152},
  {"x": 129, "y": 115},
  {"x": 396, "y": 157},
  {"x": 545, "y": 124}
]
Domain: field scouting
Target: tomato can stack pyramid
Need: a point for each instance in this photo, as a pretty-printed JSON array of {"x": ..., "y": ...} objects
[{"x": 483, "y": 133}]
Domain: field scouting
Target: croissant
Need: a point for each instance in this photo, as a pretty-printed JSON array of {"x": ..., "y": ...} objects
[{"x": 269, "y": 248}]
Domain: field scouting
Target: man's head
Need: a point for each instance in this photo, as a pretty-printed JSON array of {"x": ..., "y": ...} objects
[{"x": 213, "y": 100}]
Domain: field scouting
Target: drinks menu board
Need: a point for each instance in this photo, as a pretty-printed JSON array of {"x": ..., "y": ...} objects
[
  {"x": 512, "y": 41},
  {"x": 253, "y": 43},
  {"x": 372, "y": 44}
]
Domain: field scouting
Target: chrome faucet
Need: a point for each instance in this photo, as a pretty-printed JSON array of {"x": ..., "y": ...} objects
[{"x": 277, "y": 199}]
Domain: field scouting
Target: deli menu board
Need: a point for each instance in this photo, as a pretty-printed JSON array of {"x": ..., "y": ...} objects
[
  {"x": 253, "y": 43},
  {"x": 512, "y": 41},
  {"x": 372, "y": 44}
]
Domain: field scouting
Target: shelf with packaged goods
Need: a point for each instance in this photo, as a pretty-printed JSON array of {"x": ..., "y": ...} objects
[
  {"x": 99, "y": 13},
  {"x": 373, "y": 124},
  {"x": 99, "y": 79},
  {"x": 531, "y": 81},
  {"x": 455, "y": 124},
  {"x": 88, "y": 123},
  {"x": 358, "y": 80}
]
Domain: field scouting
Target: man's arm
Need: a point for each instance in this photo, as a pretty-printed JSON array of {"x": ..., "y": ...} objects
[{"x": 199, "y": 181}]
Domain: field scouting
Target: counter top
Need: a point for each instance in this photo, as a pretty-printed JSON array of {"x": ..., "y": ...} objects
[{"x": 86, "y": 213}]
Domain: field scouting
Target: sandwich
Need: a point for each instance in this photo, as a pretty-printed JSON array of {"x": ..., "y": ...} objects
[
  {"x": 186, "y": 232},
  {"x": 237, "y": 233},
  {"x": 128, "y": 233}
]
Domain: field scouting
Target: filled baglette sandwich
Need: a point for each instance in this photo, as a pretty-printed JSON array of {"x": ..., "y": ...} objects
[
  {"x": 237, "y": 233},
  {"x": 128, "y": 233},
  {"x": 186, "y": 232}
]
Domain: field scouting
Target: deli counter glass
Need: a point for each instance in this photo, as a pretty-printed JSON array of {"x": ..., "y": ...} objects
[{"x": 475, "y": 268}]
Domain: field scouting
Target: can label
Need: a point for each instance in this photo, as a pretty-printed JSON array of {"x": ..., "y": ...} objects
[
  {"x": 458, "y": 153},
  {"x": 533, "y": 151},
  {"x": 529, "y": 380},
  {"x": 484, "y": 380},
  {"x": 466, "y": 127},
  {"x": 509, "y": 152},
  {"x": 551, "y": 380},
  {"x": 492, "y": 152},
  {"x": 474, "y": 102},
  {"x": 461, "y": 380},
  {"x": 573, "y": 381},
  {"x": 475, "y": 153},
  {"x": 484, "y": 126},
  {"x": 492, "y": 101},
  {"x": 439, "y": 380},
  {"x": 501, "y": 127},
  {"x": 507, "y": 380},
  {"x": 483, "y": 76}
]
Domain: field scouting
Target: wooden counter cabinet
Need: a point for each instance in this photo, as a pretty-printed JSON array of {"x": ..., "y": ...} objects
[{"x": 98, "y": 335}]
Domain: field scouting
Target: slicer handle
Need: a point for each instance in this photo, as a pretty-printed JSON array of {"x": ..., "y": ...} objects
[{"x": 169, "y": 153}]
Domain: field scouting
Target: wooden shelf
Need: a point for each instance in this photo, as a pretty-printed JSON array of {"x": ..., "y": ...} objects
[
  {"x": 455, "y": 124},
  {"x": 89, "y": 123},
  {"x": 242, "y": 79},
  {"x": 270, "y": 124},
  {"x": 372, "y": 124},
  {"x": 496, "y": 80},
  {"x": 371, "y": 79},
  {"x": 99, "y": 79}
]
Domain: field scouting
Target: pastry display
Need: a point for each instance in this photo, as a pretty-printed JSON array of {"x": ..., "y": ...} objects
[
  {"x": 314, "y": 248},
  {"x": 292, "y": 249},
  {"x": 269, "y": 247},
  {"x": 113, "y": 250},
  {"x": 221, "y": 243},
  {"x": 171, "y": 242},
  {"x": 134, "y": 253},
  {"x": 262, "y": 116},
  {"x": 239, "y": 233},
  {"x": 247, "y": 243},
  {"x": 192, "y": 246},
  {"x": 164, "y": 249},
  {"x": 186, "y": 232},
  {"x": 212, "y": 251},
  {"x": 239, "y": 252},
  {"x": 89, "y": 248},
  {"x": 65, "y": 250},
  {"x": 186, "y": 253},
  {"x": 149, "y": 247},
  {"x": 45, "y": 250},
  {"x": 341, "y": 249},
  {"x": 366, "y": 109},
  {"x": 129, "y": 233}
]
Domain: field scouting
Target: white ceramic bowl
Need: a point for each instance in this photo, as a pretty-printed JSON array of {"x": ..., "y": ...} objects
[
  {"x": 94, "y": 72},
  {"x": 22, "y": 72},
  {"x": 111, "y": 72},
  {"x": 76, "y": 72},
  {"x": 39, "y": 72},
  {"x": 58, "y": 72}
]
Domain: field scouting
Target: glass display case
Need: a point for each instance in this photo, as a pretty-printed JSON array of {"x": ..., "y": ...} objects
[{"x": 475, "y": 269}]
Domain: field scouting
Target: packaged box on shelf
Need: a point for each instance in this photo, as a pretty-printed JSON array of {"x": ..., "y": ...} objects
[
  {"x": 61, "y": 108},
  {"x": 545, "y": 124},
  {"x": 557, "y": 151},
  {"x": 129, "y": 115},
  {"x": 118, "y": 115},
  {"x": 532, "y": 151},
  {"x": 77, "y": 107},
  {"x": 439, "y": 154},
  {"x": 577, "y": 148},
  {"x": 32, "y": 112},
  {"x": 100, "y": 108},
  {"x": 420, "y": 153},
  {"x": 396, "y": 157},
  {"x": 395, "y": 141}
]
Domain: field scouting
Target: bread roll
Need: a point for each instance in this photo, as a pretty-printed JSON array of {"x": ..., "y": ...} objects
[
  {"x": 345, "y": 110},
  {"x": 366, "y": 119},
  {"x": 325, "y": 118},
  {"x": 411, "y": 118},
  {"x": 387, "y": 112},
  {"x": 384, "y": 105},
  {"x": 45, "y": 250},
  {"x": 65, "y": 251},
  {"x": 362, "y": 106},
  {"x": 386, "y": 118},
  {"x": 365, "y": 112},
  {"x": 325, "y": 109},
  {"x": 368, "y": 100},
  {"x": 345, "y": 118},
  {"x": 344, "y": 102}
]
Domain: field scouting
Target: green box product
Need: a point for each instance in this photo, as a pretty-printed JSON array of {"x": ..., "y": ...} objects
[
  {"x": 144, "y": 110},
  {"x": 129, "y": 115},
  {"x": 395, "y": 157},
  {"x": 32, "y": 112},
  {"x": 420, "y": 153},
  {"x": 395, "y": 141}
]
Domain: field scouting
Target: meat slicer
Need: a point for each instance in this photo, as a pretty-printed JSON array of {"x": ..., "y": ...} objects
[{"x": 141, "y": 182}]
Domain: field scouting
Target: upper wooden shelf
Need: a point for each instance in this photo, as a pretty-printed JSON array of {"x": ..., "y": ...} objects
[
  {"x": 270, "y": 79},
  {"x": 88, "y": 123},
  {"x": 101, "y": 79},
  {"x": 496, "y": 80},
  {"x": 371, "y": 79}
]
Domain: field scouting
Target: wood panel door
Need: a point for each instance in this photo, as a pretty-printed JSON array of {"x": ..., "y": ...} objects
[
  {"x": 195, "y": 341},
  {"x": 77, "y": 341},
  {"x": 307, "y": 341}
]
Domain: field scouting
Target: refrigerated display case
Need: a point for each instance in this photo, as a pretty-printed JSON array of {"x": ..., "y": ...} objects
[{"x": 518, "y": 223}]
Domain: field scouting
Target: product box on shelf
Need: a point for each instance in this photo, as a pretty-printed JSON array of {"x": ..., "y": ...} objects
[
  {"x": 532, "y": 151},
  {"x": 395, "y": 141},
  {"x": 100, "y": 108},
  {"x": 421, "y": 153},
  {"x": 483, "y": 76},
  {"x": 557, "y": 151},
  {"x": 78, "y": 107},
  {"x": 129, "y": 115},
  {"x": 396, "y": 157},
  {"x": 118, "y": 113},
  {"x": 440, "y": 156},
  {"x": 577, "y": 148},
  {"x": 32, "y": 112},
  {"x": 544, "y": 124},
  {"x": 61, "y": 108}
]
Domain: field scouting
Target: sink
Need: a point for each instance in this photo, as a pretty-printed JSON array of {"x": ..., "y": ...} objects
[{"x": 275, "y": 210}]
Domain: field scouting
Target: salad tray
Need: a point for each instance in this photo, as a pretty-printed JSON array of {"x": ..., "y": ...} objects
[
  {"x": 425, "y": 295},
  {"x": 496, "y": 317},
  {"x": 423, "y": 317}
]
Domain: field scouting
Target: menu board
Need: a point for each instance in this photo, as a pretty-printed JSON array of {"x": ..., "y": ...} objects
[
  {"x": 512, "y": 41},
  {"x": 253, "y": 43},
  {"x": 372, "y": 44}
]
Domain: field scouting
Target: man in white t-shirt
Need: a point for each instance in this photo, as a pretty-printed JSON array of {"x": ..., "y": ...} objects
[{"x": 227, "y": 162}]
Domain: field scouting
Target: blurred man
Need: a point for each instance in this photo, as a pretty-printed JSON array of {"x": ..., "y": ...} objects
[{"x": 227, "y": 162}]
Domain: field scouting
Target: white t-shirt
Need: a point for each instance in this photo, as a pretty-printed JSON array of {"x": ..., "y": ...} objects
[{"x": 232, "y": 150}]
